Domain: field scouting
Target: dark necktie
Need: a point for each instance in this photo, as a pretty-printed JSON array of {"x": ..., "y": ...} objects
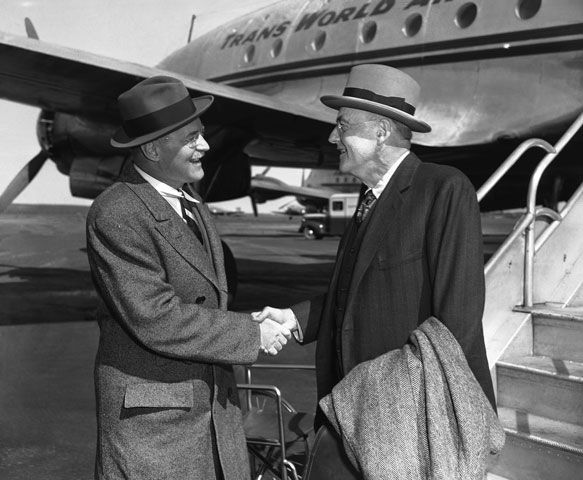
[
  {"x": 365, "y": 207},
  {"x": 187, "y": 214}
]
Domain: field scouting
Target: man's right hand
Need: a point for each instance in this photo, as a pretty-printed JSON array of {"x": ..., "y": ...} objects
[
  {"x": 273, "y": 336},
  {"x": 283, "y": 316}
]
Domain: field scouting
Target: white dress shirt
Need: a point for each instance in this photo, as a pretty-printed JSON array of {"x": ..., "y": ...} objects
[{"x": 170, "y": 194}]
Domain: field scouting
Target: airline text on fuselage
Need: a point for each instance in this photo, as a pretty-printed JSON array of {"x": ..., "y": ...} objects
[{"x": 321, "y": 18}]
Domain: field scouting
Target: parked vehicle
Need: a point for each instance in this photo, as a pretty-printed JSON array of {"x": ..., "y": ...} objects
[{"x": 341, "y": 207}]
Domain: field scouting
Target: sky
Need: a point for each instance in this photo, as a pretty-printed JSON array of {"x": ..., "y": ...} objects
[{"x": 143, "y": 31}]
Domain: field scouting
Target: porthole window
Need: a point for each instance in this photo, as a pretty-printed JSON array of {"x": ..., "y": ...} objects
[
  {"x": 368, "y": 32},
  {"x": 413, "y": 25},
  {"x": 526, "y": 9},
  {"x": 276, "y": 48},
  {"x": 466, "y": 15},
  {"x": 249, "y": 54},
  {"x": 318, "y": 43}
]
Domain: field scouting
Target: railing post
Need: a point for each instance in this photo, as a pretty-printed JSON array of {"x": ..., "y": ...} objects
[{"x": 531, "y": 208}]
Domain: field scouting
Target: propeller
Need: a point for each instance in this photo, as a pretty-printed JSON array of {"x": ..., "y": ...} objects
[
  {"x": 29, "y": 171},
  {"x": 22, "y": 179}
]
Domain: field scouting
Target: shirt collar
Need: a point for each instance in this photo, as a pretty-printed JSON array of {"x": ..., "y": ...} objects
[
  {"x": 164, "y": 189},
  {"x": 383, "y": 182}
]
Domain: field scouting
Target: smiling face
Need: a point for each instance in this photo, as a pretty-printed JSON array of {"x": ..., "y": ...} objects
[
  {"x": 179, "y": 155},
  {"x": 356, "y": 137}
]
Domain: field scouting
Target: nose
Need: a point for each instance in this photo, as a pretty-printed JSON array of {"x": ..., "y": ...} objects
[
  {"x": 334, "y": 137},
  {"x": 201, "y": 144}
]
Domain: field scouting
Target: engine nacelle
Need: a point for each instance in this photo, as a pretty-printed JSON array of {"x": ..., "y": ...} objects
[
  {"x": 89, "y": 176},
  {"x": 80, "y": 148}
]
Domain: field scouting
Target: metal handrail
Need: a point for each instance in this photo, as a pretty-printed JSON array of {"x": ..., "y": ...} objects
[
  {"x": 527, "y": 222},
  {"x": 531, "y": 208},
  {"x": 510, "y": 161}
]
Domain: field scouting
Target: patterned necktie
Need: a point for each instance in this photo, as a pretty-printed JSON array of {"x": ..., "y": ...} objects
[
  {"x": 189, "y": 217},
  {"x": 365, "y": 207}
]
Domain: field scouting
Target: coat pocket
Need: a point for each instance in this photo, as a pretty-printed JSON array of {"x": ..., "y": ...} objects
[
  {"x": 393, "y": 261},
  {"x": 159, "y": 395}
]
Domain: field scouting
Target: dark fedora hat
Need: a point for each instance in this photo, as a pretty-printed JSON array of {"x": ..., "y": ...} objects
[
  {"x": 383, "y": 90},
  {"x": 155, "y": 107}
]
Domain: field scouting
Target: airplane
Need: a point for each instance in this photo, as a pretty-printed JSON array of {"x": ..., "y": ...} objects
[{"x": 492, "y": 73}]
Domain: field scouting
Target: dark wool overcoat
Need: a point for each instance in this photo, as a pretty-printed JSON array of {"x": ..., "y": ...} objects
[
  {"x": 421, "y": 255},
  {"x": 167, "y": 403}
]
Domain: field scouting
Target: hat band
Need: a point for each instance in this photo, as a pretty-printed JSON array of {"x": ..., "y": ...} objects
[
  {"x": 165, "y": 117},
  {"x": 395, "y": 102}
]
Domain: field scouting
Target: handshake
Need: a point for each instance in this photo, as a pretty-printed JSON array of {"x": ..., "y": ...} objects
[{"x": 276, "y": 326}]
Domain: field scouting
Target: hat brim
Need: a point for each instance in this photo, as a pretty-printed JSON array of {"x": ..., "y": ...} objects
[
  {"x": 121, "y": 140},
  {"x": 339, "y": 101}
]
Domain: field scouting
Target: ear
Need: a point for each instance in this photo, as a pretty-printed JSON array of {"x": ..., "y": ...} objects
[
  {"x": 150, "y": 151},
  {"x": 383, "y": 131}
]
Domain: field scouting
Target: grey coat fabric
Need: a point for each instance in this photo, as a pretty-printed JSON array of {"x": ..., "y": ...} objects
[
  {"x": 167, "y": 403},
  {"x": 416, "y": 413}
]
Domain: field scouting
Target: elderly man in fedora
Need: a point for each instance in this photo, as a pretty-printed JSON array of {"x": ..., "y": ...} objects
[
  {"x": 167, "y": 402},
  {"x": 412, "y": 250}
]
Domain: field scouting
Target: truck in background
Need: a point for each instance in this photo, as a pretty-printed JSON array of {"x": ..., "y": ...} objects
[{"x": 333, "y": 221}]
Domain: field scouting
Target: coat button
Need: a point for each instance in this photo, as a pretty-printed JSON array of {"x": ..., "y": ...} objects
[{"x": 200, "y": 300}]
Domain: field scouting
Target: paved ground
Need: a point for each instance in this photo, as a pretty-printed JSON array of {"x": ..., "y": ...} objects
[{"x": 48, "y": 337}]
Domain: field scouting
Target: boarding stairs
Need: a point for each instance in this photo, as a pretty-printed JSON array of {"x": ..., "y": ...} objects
[{"x": 533, "y": 327}]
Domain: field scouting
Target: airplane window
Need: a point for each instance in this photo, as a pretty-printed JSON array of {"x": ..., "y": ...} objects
[
  {"x": 319, "y": 41},
  {"x": 276, "y": 48},
  {"x": 526, "y": 9},
  {"x": 466, "y": 15},
  {"x": 249, "y": 54},
  {"x": 369, "y": 31},
  {"x": 413, "y": 25}
]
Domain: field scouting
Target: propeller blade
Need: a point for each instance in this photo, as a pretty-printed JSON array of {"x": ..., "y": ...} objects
[{"x": 22, "y": 179}]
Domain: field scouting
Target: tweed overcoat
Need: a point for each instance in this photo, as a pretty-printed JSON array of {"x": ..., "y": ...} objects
[
  {"x": 167, "y": 403},
  {"x": 421, "y": 256}
]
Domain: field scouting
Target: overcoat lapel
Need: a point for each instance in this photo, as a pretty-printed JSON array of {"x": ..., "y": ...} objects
[
  {"x": 214, "y": 239},
  {"x": 384, "y": 217},
  {"x": 171, "y": 226}
]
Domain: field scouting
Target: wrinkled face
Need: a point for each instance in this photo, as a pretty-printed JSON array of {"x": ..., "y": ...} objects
[
  {"x": 355, "y": 137},
  {"x": 180, "y": 154}
]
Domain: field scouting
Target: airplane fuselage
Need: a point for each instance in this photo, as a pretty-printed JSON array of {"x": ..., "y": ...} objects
[{"x": 488, "y": 69}]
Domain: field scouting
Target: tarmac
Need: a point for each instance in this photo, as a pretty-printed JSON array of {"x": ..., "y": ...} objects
[{"x": 48, "y": 336}]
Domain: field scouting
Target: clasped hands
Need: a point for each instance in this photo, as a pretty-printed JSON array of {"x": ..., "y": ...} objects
[{"x": 276, "y": 326}]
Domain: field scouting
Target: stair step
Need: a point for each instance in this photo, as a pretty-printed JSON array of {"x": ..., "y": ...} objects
[
  {"x": 567, "y": 436},
  {"x": 558, "y": 331},
  {"x": 526, "y": 457},
  {"x": 554, "y": 310},
  {"x": 558, "y": 337},
  {"x": 544, "y": 386}
]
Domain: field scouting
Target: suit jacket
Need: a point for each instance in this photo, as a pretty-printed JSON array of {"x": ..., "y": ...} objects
[
  {"x": 167, "y": 403},
  {"x": 421, "y": 256}
]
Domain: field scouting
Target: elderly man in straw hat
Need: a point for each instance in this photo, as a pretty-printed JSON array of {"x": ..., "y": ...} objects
[
  {"x": 412, "y": 250},
  {"x": 167, "y": 403}
]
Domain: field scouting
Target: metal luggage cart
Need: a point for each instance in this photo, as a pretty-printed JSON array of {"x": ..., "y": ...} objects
[{"x": 278, "y": 436}]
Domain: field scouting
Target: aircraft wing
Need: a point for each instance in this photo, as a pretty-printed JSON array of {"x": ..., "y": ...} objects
[
  {"x": 66, "y": 80},
  {"x": 267, "y": 188}
]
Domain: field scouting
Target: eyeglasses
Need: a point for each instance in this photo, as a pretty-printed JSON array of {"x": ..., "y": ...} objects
[
  {"x": 345, "y": 128},
  {"x": 192, "y": 139},
  {"x": 191, "y": 143}
]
